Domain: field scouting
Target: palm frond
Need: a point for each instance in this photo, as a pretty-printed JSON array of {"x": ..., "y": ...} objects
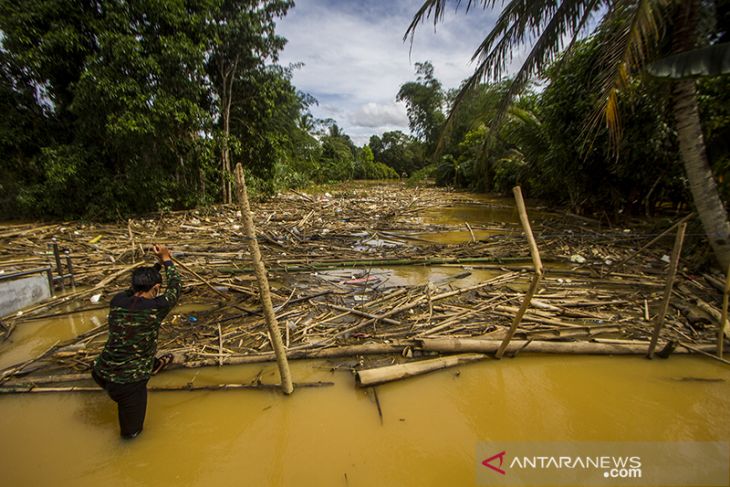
[
  {"x": 434, "y": 9},
  {"x": 550, "y": 21},
  {"x": 632, "y": 30}
]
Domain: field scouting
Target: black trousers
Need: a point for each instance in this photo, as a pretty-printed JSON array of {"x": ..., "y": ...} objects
[{"x": 131, "y": 402}]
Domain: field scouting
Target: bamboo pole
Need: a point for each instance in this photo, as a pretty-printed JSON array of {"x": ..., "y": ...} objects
[
  {"x": 477, "y": 345},
  {"x": 723, "y": 316},
  {"x": 536, "y": 277},
  {"x": 311, "y": 353},
  {"x": 19, "y": 389},
  {"x": 471, "y": 232},
  {"x": 200, "y": 278},
  {"x": 331, "y": 264},
  {"x": 673, "y": 263},
  {"x": 264, "y": 291},
  {"x": 653, "y": 241}
]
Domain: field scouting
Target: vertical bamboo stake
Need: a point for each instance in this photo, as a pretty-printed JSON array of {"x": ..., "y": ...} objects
[
  {"x": 673, "y": 264},
  {"x": 536, "y": 277},
  {"x": 723, "y": 317},
  {"x": 260, "y": 270},
  {"x": 131, "y": 240}
]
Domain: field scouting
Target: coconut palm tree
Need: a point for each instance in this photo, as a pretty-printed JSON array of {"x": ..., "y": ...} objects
[{"x": 635, "y": 30}]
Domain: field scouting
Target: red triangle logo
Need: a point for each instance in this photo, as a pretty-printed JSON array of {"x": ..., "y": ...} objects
[{"x": 488, "y": 462}]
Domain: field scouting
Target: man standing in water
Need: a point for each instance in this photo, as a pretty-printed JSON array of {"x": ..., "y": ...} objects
[{"x": 128, "y": 359}]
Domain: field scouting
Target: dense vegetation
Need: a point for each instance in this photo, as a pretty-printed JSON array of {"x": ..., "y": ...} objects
[
  {"x": 114, "y": 108},
  {"x": 118, "y": 107}
]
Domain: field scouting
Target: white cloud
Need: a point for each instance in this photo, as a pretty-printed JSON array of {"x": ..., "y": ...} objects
[
  {"x": 374, "y": 115},
  {"x": 355, "y": 59}
]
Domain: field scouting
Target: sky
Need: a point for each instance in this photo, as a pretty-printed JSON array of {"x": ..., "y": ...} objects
[{"x": 355, "y": 59}]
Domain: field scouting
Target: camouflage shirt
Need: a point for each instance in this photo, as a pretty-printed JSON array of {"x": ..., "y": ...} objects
[{"x": 134, "y": 324}]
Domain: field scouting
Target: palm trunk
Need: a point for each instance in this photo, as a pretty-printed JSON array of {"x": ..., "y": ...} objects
[
  {"x": 705, "y": 195},
  {"x": 702, "y": 183}
]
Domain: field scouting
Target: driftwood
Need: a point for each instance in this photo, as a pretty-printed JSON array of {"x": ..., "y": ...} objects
[{"x": 371, "y": 377}]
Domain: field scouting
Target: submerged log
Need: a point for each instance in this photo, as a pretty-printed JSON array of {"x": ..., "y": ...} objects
[
  {"x": 371, "y": 377},
  {"x": 21, "y": 389}
]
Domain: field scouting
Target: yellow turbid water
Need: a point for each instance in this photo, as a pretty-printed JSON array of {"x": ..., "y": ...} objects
[{"x": 334, "y": 436}]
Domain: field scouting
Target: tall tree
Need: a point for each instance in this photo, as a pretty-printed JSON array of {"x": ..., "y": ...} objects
[
  {"x": 244, "y": 38},
  {"x": 424, "y": 99},
  {"x": 636, "y": 29}
]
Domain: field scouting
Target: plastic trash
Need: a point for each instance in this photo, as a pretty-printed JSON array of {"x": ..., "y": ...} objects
[
  {"x": 95, "y": 298},
  {"x": 192, "y": 319},
  {"x": 578, "y": 259}
]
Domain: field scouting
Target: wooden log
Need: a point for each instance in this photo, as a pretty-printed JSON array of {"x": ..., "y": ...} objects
[
  {"x": 536, "y": 277},
  {"x": 673, "y": 263},
  {"x": 461, "y": 345},
  {"x": 263, "y": 281},
  {"x": 371, "y": 377}
]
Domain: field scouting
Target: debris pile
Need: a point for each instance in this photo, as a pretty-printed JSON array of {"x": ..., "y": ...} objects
[{"x": 331, "y": 259}]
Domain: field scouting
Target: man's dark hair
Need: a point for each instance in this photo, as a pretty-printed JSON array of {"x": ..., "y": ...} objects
[{"x": 145, "y": 278}]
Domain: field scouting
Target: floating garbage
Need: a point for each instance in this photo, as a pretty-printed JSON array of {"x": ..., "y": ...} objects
[
  {"x": 578, "y": 259},
  {"x": 95, "y": 298}
]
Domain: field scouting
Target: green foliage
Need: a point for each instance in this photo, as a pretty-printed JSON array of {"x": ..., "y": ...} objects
[
  {"x": 367, "y": 168},
  {"x": 401, "y": 152},
  {"x": 538, "y": 143},
  {"x": 422, "y": 175},
  {"x": 424, "y": 99}
]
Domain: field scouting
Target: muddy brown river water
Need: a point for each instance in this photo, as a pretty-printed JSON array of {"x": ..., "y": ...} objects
[{"x": 334, "y": 436}]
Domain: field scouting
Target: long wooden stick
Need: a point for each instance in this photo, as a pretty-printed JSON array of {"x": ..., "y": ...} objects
[
  {"x": 187, "y": 387},
  {"x": 200, "y": 278},
  {"x": 654, "y": 240},
  {"x": 264, "y": 291},
  {"x": 676, "y": 252},
  {"x": 723, "y": 316},
  {"x": 462, "y": 345},
  {"x": 536, "y": 278}
]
